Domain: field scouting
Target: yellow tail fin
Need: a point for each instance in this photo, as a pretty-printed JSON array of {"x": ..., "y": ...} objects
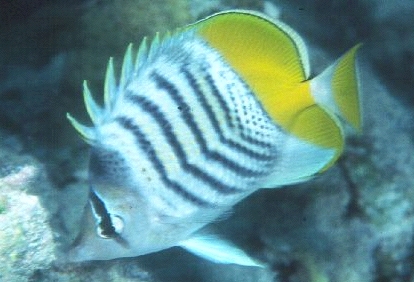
[{"x": 337, "y": 89}]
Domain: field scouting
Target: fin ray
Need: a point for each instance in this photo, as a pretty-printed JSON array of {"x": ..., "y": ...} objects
[
  {"x": 141, "y": 54},
  {"x": 337, "y": 89},
  {"x": 127, "y": 68},
  {"x": 271, "y": 43},
  {"x": 346, "y": 89},
  {"x": 154, "y": 46},
  {"x": 315, "y": 144},
  {"x": 87, "y": 133},
  {"x": 217, "y": 250},
  {"x": 110, "y": 85},
  {"x": 94, "y": 111},
  {"x": 277, "y": 59}
]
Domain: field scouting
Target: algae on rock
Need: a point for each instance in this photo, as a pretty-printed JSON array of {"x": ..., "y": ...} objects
[{"x": 26, "y": 238}]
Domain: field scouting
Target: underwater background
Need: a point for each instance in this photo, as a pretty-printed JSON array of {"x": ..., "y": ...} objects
[{"x": 353, "y": 223}]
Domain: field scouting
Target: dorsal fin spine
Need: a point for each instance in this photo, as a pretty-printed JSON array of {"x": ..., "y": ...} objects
[
  {"x": 94, "y": 111},
  {"x": 154, "y": 46},
  {"x": 141, "y": 54},
  {"x": 110, "y": 85},
  {"x": 127, "y": 70},
  {"x": 87, "y": 133}
]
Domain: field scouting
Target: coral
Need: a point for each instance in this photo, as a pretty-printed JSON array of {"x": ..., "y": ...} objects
[
  {"x": 385, "y": 183},
  {"x": 26, "y": 240}
]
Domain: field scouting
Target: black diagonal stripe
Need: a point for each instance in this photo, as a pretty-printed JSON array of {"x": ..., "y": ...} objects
[
  {"x": 226, "y": 109},
  {"x": 146, "y": 146},
  {"x": 192, "y": 81},
  {"x": 105, "y": 222},
  {"x": 167, "y": 131},
  {"x": 172, "y": 91}
]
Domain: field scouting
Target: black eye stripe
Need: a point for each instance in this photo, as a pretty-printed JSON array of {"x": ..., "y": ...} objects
[{"x": 105, "y": 222}]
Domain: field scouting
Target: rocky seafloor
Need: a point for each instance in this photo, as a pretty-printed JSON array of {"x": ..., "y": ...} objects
[{"x": 353, "y": 223}]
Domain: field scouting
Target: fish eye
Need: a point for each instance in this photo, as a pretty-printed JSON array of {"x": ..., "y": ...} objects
[
  {"x": 108, "y": 225},
  {"x": 108, "y": 232},
  {"x": 117, "y": 223}
]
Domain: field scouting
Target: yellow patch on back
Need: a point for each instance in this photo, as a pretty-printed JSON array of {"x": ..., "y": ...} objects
[
  {"x": 270, "y": 59},
  {"x": 254, "y": 46}
]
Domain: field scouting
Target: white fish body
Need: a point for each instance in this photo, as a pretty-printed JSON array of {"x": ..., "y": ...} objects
[{"x": 190, "y": 130}]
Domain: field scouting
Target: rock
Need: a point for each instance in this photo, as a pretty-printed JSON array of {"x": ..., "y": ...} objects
[{"x": 26, "y": 239}]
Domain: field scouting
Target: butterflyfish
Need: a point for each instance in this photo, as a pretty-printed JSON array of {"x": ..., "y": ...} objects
[{"x": 198, "y": 120}]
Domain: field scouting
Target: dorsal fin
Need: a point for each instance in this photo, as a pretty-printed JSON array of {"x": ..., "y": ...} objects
[
  {"x": 269, "y": 56},
  {"x": 254, "y": 44}
]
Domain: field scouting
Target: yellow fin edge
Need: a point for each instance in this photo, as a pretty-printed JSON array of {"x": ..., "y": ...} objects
[
  {"x": 346, "y": 90},
  {"x": 313, "y": 124}
]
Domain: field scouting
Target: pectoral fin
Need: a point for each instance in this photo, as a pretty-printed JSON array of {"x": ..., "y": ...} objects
[{"x": 217, "y": 250}]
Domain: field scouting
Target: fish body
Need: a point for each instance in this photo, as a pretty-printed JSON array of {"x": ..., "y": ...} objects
[{"x": 198, "y": 121}]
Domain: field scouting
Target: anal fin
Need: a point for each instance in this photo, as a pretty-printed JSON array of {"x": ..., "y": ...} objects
[{"x": 314, "y": 143}]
